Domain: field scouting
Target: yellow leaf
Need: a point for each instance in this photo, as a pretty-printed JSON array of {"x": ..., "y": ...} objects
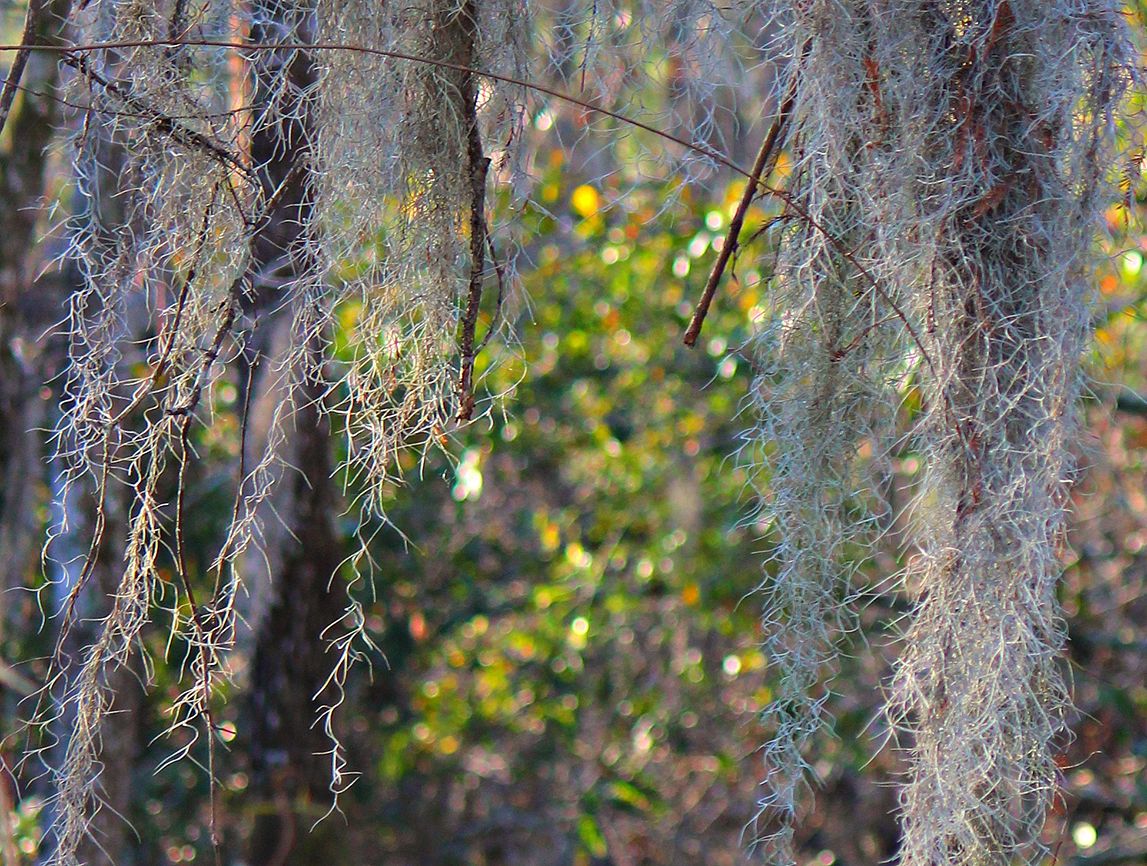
[
  {"x": 585, "y": 200},
  {"x": 550, "y": 537}
]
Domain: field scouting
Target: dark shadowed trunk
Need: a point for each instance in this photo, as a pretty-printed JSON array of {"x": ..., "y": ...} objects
[
  {"x": 29, "y": 305},
  {"x": 290, "y": 774},
  {"x": 33, "y": 353}
]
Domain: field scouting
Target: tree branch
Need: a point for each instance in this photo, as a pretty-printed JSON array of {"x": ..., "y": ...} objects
[
  {"x": 12, "y": 83},
  {"x": 765, "y": 162},
  {"x": 169, "y": 126},
  {"x": 479, "y": 166}
]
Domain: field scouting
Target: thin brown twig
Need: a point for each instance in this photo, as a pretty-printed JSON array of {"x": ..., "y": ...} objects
[
  {"x": 701, "y": 149},
  {"x": 32, "y": 20},
  {"x": 839, "y": 352},
  {"x": 499, "y": 272},
  {"x": 229, "y": 307},
  {"x": 588, "y": 43},
  {"x": 474, "y": 294},
  {"x": 134, "y": 115},
  {"x": 177, "y": 25},
  {"x": 762, "y": 167},
  {"x": 164, "y": 123},
  {"x": 479, "y": 167}
]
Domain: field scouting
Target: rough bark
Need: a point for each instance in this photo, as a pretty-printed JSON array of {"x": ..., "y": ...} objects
[
  {"x": 289, "y": 754},
  {"x": 29, "y": 304},
  {"x": 32, "y": 354}
]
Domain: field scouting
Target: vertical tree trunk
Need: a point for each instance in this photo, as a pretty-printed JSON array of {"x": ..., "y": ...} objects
[
  {"x": 31, "y": 354},
  {"x": 28, "y": 305},
  {"x": 289, "y": 753},
  {"x": 290, "y": 760}
]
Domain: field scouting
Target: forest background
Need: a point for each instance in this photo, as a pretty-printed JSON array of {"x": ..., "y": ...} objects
[{"x": 567, "y": 666}]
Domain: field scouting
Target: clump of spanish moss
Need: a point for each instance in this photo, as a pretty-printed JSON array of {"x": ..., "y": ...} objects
[
  {"x": 407, "y": 154},
  {"x": 406, "y": 157},
  {"x": 821, "y": 362},
  {"x": 1010, "y": 169},
  {"x": 968, "y": 143},
  {"x": 215, "y": 189},
  {"x": 159, "y": 238}
]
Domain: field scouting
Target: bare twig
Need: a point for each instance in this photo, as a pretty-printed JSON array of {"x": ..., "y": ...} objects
[
  {"x": 479, "y": 166},
  {"x": 163, "y": 122},
  {"x": 762, "y": 167},
  {"x": 32, "y": 20},
  {"x": 499, "y": 272}
]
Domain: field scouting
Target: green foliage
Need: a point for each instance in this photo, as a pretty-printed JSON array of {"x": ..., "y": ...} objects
[{"x": 569, "y": 606}]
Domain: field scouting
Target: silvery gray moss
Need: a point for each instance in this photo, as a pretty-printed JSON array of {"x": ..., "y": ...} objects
[
  {"x": 215, "y": 186},
  {"x": 954, "y": 154},
  {"x": 947, "y": 162}
]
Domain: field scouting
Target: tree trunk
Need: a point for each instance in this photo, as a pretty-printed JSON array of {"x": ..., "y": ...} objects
[
  {"x": 289, "y": 754},
  {"x": 29, "y": 356}
]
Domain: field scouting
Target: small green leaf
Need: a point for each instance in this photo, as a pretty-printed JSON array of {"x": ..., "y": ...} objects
[{"x": 590, "y": 835}]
